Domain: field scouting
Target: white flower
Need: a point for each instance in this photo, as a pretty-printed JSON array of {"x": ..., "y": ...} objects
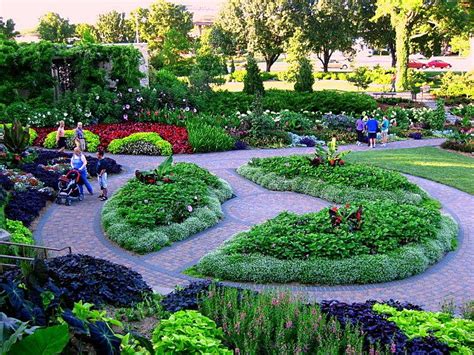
[
  {"x": 49, "y": 113},
  {"x": 97, "y": 97},
  {"x": 65, "y": 114},
  {"x": 130, "y": 89},
  {"x": 190, "y": 208}
]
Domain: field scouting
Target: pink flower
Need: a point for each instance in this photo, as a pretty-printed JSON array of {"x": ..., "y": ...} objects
[{"x": 289, "y": 324}]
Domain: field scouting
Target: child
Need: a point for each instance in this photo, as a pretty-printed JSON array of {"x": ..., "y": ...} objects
[
  {"x": 102, "y": 175},
  {"x": 385, "y": 127}
]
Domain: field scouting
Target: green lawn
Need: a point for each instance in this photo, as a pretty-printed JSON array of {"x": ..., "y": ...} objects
[{"x": 448, "y": 168}]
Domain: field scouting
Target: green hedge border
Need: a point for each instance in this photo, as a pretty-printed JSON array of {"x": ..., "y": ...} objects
[
  {"x": 406, "y": 261},
  {"x": 326, "y": 191},
  {"x": 154, "y": 239}
]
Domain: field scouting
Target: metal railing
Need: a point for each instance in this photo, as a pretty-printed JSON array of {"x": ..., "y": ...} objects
[{"x": 29, "y": 253}]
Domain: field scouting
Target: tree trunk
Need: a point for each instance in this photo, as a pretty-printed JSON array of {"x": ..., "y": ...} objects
[
  {"x": 270, "y": 60},
  {"x": 401, "y": 45},
  {"x": 393, "y": 53}
]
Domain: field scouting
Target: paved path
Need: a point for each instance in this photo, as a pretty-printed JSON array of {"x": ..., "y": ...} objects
[{"x": 79, "y": 226}]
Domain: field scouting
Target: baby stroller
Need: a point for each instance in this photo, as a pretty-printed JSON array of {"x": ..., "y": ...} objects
[{"x": 68, "y": 186}]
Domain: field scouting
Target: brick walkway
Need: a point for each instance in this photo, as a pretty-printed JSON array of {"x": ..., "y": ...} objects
[{"x": 79, "y": 226}]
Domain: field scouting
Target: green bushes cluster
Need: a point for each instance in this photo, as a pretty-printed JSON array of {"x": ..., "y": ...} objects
[
  {"x": 188, "y": 332},
  {"x": 145, "y": 217},
  {"x": 92, "y": 140},
  {"x": 204, "y": 137},
  {"x": 399, "y": 264},
  {"x": 148, "y": 143},
  {"x": 223, "y": 102},
  {"x": 384, "y": 227},
  {"x": 457, "y": 333},
  {"x": 18, "y": 234},
  {"x": 456, "y": 87}
]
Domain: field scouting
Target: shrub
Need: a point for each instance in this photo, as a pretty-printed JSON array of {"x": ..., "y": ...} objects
[
  {"x": 141, "y": 143},
  {"x": 360, "y": 78},
  {"x": 188, "y": 332},
  {"x": 455, "y": 332},
  {"x": 304, "y": 77},
  {"x": 466, "y": 147},
  {"x": 456, "y": 85},
  {"x": 145, "y": 217},
  {"x": 18, "y": 234},
  {"x": 168, "y": 83},
  {"x": 25, "y": 206},
  {"x": 253, "y": 83},
  {"x": 33, "y": 134},
  {"x": 206, "y": 138},
  {"x": 92, "y": 140}
]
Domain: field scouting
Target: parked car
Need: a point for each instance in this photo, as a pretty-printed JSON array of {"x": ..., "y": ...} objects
[
  {"x": 438, "y": 63},
  {"x": 417, "y": 57},
  {"x": 414, "y": 64},
  {"x": 336, "y": 64}
]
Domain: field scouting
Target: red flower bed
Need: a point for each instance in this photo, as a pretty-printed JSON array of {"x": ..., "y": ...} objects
[{"x": 177, "y": 136}]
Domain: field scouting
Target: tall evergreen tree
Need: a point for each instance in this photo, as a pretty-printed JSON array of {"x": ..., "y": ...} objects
[{"x": 253, "y": 83}]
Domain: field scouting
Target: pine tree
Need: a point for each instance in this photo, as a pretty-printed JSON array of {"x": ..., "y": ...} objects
[
  {"x": 253, "y": 83},
  {"x": 296, "y": 51},
  {"x": 304, "y": 77}
]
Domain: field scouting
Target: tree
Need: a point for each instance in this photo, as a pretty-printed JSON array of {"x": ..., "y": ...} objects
[
  {"x": 170, "y": 54},
  {"x": 7, "y": 29},
  {"x": 155, "y": 23},
  {"x": 261, "y": 26},
  {"x": 54, "y": 28},
  {"x": 253, "y": 83},
  {"x": 360, "y": 77},
  {"x": 304, "y": 76},
  {"x": 331, "y": 27},
  {"x": 112, "y": 27},
  {"x": 296, "y": 51},
  {"x": 412, "y": 19},
  {"x": 379, "y": 33},
  {"x": 87, "y": 33}
]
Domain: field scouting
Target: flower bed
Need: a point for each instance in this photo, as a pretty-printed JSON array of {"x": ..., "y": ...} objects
[
  {"x": 394, "y": 230},
  {"x": 164, "y": 206},
  {"x": 140, "y": 143},
  {"x": 177, "y": 136},
  {"x": 339, "y": 184},
  {"x": 92, "y": 140}
]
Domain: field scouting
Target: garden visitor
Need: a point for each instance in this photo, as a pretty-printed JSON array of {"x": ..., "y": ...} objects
[
  {"x": 360, "y": 131},
  {"x": 393, "y": 81},
  {"x": 384, "y": 130},
  {"x": 102, "y": 175},
  {"x": 79, "y": 162},
  {"x": 79, "y": 138},
  {"x": 372, "y": 127},
  {"x": 60, "y": 137}
]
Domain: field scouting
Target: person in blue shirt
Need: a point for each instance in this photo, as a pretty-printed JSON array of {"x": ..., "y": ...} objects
[{"x": 372, "y": 127}]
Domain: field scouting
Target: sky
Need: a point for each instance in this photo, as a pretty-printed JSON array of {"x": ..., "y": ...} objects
[{"x": 25, "y": 13}]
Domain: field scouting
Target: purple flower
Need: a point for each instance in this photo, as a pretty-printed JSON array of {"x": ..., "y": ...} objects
[
  {"x": 190, "y": 208},
  {"x": 125, "y": 117}
]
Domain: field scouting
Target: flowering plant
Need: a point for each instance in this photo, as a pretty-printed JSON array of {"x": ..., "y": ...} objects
[
  {"x": 352, "y": 217},
  {"x": 330, "y": 157}
]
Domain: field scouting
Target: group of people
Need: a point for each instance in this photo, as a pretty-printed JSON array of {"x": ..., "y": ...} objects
[
  {"x": 79, "y": 161},
  {"x": 371, "y": 126}
]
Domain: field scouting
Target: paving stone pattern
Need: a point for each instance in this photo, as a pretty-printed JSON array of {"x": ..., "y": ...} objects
[{"x": 79, "y": 226}]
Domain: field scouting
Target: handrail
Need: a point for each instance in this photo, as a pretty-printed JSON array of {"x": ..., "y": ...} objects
[
  {"x": 36, "y": 246},
  {"x": 40, "y": 251}
]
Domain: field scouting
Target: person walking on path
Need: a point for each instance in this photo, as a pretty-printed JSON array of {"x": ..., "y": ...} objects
[
  {"x": 102, "y": 175},
  {"x": 60, "y": 137},
  {"x": 79, "y": 162},
  {"x": 79, "y": 138},
  {"x": 360, "y": 130},
  {"x": 372, "y": 127},
  {"x": 384, "y": 130},
  {"x": 393, "y": 81}
]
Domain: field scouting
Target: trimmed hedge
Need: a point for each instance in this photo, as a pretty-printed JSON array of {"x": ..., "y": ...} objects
[
  {"x": 92, "y": 140},
  {"x": 326, "y": 190},
  {"x": 153, "y": 238},
  {"x": 148, "y": 143},
  {"x": 206, "y": 138},
  {"x": 402, "y": 263},
  {"x": 224, "y": 102}
]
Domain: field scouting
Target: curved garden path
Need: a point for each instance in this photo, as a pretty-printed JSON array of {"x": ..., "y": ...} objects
[{"x": 79, "y": 226}]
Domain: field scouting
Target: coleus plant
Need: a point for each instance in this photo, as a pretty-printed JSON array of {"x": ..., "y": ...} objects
[
  {"x": 162, "y": 174},
  {"x": 347, "y": 215},
  {"x": 331, "y": 156}
]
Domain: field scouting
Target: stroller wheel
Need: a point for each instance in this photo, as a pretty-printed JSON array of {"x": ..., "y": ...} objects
[
  {"x": 68, "y": 202},
  {"x": 81, "y": 197},
  {"x": 58, "y": 200}
]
